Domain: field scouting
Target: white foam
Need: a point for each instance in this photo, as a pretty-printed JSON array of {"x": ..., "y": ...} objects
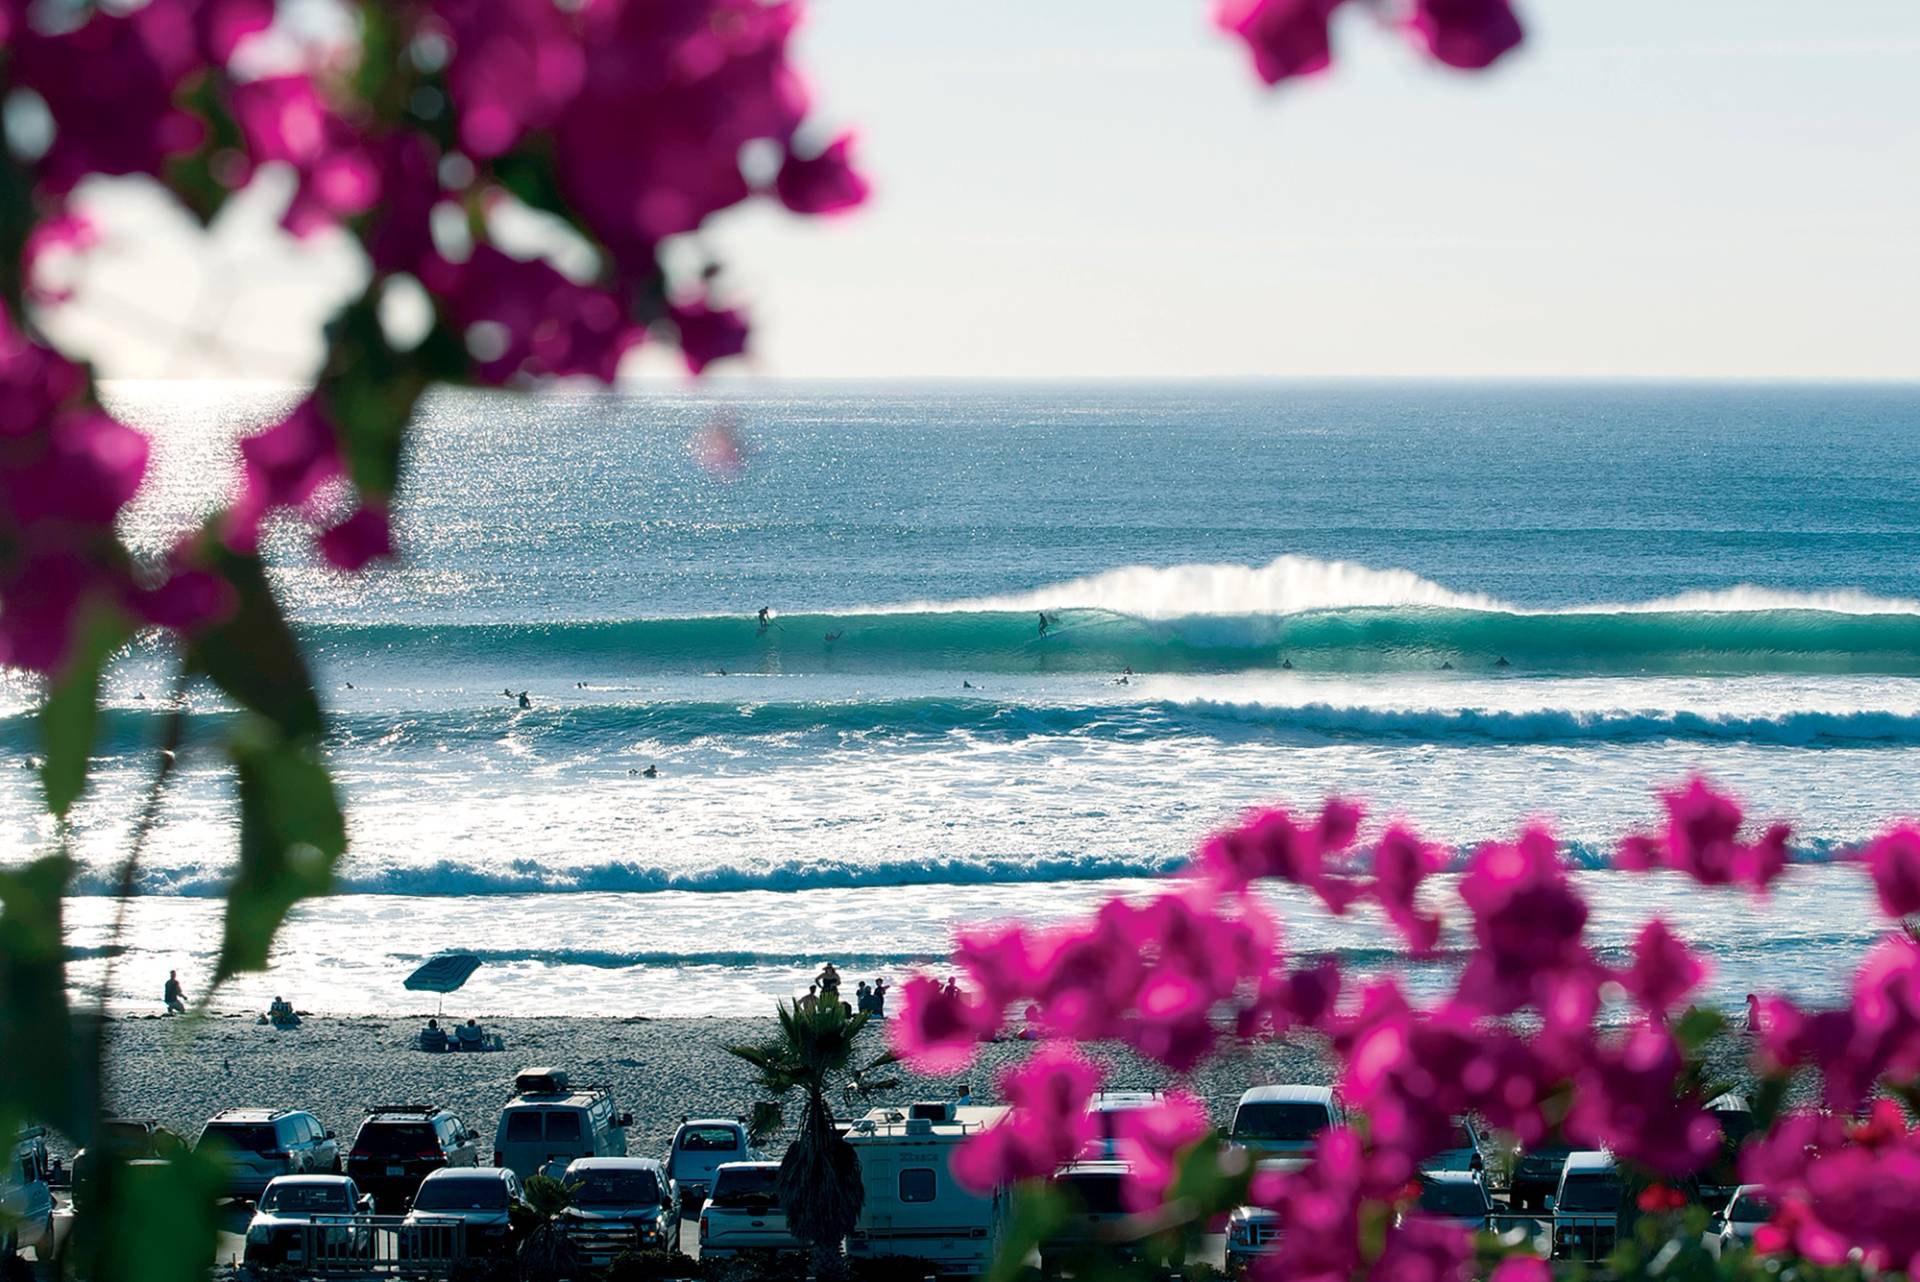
[{"x": 1294, "y": 584}]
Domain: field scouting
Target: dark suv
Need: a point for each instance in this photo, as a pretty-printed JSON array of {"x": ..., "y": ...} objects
[{"x": 399, "y": 1145}]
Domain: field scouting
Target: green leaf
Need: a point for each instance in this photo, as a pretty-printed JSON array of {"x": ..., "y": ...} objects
[
  {"x": 37, "y": 1031},
  {"x": 1697, "y": 1027},
  {"x": 153, "y": 1222},
  {"x": 292, "y": 834},
  {"x": 70, "y": 715},
  {"x": 1039, "y": 1212},
  {"x": 252, "y": 655},
  {"x": 370, "y": 390}
]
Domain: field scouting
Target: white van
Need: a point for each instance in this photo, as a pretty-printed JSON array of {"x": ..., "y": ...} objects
[
  {"x": 1284, "y": 1121},
  {"x": 547, "y": 1124},
  {"x": 26, "y": 1203},
  {"x": 914, "y": 1207},
  {"x": 1586, "y": 1207}
]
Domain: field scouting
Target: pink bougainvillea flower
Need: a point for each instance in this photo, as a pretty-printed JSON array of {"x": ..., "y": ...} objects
[
  {"x": 1469, "y": 34},
  {"x": 1401, "y": 862},
  {"x": 361, "y": 538},
  {"x": 1893, "y": 858},
  {"x": 52, "y": 240},
  {"x": 1840, "y": 1191},
  {"x": 284, "y": 119},
  {"x": 1522, "y": 1268},
  {"x": 707, "y": 333},
  {"x": 282, "y": 466},
  {"x": 1628, "y": 1099},
  {"x": 1287, "y": 37},
  {"x": 400, "y": 229},
  {"x": 1528, "y": 924},
  {"x": 1270, "y": 843},
  {"x": 110, "y": 85},
  {"x": 1664, "y": 970},
  {"x": 515, "y": 65},
  {"x": 86, "y": 467},
  {"x": 522, "y": 318},
  {"x": 826, "y": 183},
  {"x": 939, "y": 1029},
  {"x": 1047, "y": 1125},
  {"x": 1422, "y": 1249},
  {"x": 1151, "y": 1140},
  {"x": 1702, "y": 839}
]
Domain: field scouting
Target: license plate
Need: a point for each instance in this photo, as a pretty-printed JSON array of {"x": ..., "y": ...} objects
[{"x": 396, "y": 1170}]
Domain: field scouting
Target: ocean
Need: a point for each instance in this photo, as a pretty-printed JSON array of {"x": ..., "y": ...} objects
[{"x": 1466, "y": 604}]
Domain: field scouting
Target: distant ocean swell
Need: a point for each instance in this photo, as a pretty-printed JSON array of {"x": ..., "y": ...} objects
[
  {"x": 521, "y": 877},
  {"x": 615, "y": 727},
  {"x": 1352, "y": 639}
]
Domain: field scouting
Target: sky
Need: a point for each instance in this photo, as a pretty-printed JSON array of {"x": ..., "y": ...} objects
[{"x": 1102, "y": 188}]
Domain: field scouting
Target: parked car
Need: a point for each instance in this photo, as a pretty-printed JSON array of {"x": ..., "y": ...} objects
[
  {"x": 548, "y": 1124},
  {"x": 700, "y": 1147},
  {"x": 1535, "y": 1176},
  {"x": 1284, "y": 1121},
  {"x": 1096, "y": 1218},
  {"x": 295, "y": 1208},
  {"x": 1105, "y": 1109},
  {"x": 1463, "y": 1151},
  {"x": 1586, "y": 1207},
  {"x": 399, "y": 1145},
  {"x": 1254, "y": 1231},
  {"x": 621, "y": 1205},
  {"x": 1459, "y": 1197},
  {"x": 1732, "y": 1225},
  {"x": 26, "y": 1200},
  {"x": 258, "y": 1144},
  {"x": 743, "y": 1216},
  {"x": 125, "y": 1139},
  {"x": 482, "y": 1199}
]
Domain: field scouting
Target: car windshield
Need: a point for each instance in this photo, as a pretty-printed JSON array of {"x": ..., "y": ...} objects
[
  {"x": 306, "y": 1197},
  {"x": 1453, "y": 1199},
  {"x": 1097, "y": 1193},
  {"x": 478, "y": 1193},
  {"x": 616, "y": 1188},
  {"x": 1275, "y": 1121},
  {"x": 747, "y": 1187},
  {"x": 124, "y": 1135},
  {"x": 253, "y": 1139},
  {"x": 394, "y": 1139},
  {"x": 1750, "y": 1208},
  {"x": 1590, "y": 1193},
  {"x": 709, "y": 1139}
]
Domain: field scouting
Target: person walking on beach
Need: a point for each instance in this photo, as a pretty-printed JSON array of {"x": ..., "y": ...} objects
[{"x": 176, "y": 996}]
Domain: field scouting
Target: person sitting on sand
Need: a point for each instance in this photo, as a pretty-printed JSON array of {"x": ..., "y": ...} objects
[
  {"x": 176, "y": 996},
  {"x": 433, "y": 1037},
  {"x": 281, "y": 1014},
  {"x": 470, "y": 1037}
]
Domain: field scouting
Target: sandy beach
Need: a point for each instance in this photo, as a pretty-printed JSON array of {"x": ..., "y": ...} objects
[{"x": 180, "y": 1071}]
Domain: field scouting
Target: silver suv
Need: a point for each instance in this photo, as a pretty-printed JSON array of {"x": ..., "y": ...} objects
[{"x": 258, "y": 1144}]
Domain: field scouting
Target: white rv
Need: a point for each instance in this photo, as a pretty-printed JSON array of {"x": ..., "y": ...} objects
[{"x": 914, "y": 1207}]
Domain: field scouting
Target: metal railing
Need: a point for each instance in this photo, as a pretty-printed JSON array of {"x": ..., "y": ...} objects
[
  {"x": 1585, "y": 1237},
  {"x": 360, "y": 1245}
]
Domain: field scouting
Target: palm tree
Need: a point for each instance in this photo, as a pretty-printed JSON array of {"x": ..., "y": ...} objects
[
  {"x": 546, "y": 1252},
  {"x": 820, "y": 1187}
]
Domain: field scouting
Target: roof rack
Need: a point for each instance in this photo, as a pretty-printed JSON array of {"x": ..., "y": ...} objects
[{"x": 403, "y": 1108}]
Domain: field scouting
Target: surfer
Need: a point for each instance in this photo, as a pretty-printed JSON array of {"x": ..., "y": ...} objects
[
  {"x": 1123, "y": 680},
  {"x": 966, "y": 685},
  {"x": 834, "y": 636},
  {"x": 524, "y": 701},
  {"x": 766, "y": 617},
  {"x": 1501, "y": 662},
  {"x": 1043, "y": 623},
  {"x": 1446, "y": 665},
  {"x": 651, "y": 772},
  {"x": 1286, "y": 665}
]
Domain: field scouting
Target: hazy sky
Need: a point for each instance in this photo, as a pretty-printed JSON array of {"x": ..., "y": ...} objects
[{"x": 1101, "y": 187}]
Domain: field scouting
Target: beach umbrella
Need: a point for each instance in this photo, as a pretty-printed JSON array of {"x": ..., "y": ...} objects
[{"x": 443, "y": 974}]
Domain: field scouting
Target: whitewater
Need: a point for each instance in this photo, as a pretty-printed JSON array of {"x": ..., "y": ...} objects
[{"x": 1467, "y": 606}]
